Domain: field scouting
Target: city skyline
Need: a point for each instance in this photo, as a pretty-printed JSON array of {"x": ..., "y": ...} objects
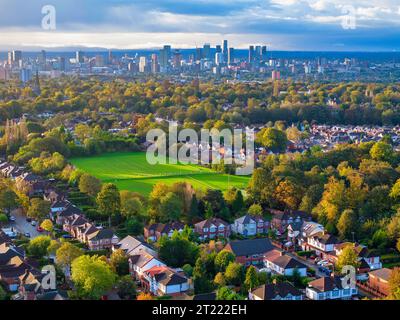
[{"x": 281, "y": 24}]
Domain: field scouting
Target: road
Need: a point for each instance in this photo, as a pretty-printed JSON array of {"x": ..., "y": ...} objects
[
  {"x": 21, "y": 225},
  {"x": 309, "y": 264}
]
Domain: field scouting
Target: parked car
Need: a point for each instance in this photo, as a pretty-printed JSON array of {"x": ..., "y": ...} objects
[
  {"x": 33, "y": 223},
  {"x": 27, "y": 234},
  {"x": 28, "y": 219},
  {"x": 12, "y": 219},
  {"x": 67, "y": 236},
  {"x": 39, "y": 229},
  {"x": 322, "y": 262}
]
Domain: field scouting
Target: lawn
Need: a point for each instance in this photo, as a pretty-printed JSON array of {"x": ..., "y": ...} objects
[{"x": 131, "y": 171}]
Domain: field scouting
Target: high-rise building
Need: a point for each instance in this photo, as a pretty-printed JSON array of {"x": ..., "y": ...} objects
[
  {"x": 206, "y": 51},
  {"x": 17, "y": 56},
  {"x": 177, "y": 60},
  {"x": 218, "y": 48},
  {"x": 225, "y": 49},
  {"x": 25, "y": 75},
  {"x": 231, "y": 53},
  {"x": 155, "y": 67},
  {"x": 219, "y": 58},
  {"x": 142, "y": 64},
  {"x": 79, "y": 57},
  {"x": 10, "y": 58},
  {"x": 165, "y": 55},
  {"x": 251, "y": 54},
  {"x": 110, "y": 57},
  {"x": 264, "y": 53},
  {"x": 99, "y": 60},
  {"x": 42, "y": 57},
  {"x": 61, "y": 63}
]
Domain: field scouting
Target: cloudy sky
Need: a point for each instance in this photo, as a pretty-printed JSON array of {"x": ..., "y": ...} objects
[{"x": 372, "y": 25}]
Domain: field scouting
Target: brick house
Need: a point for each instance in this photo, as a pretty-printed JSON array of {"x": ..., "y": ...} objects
[
  {"x": 212, "y": 228},
  {"x": 251, "y": 251},
  {"x": 155, "y": 231}
]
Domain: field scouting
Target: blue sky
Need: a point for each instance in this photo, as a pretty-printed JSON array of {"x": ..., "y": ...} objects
[{"x": 281, "y": 24}]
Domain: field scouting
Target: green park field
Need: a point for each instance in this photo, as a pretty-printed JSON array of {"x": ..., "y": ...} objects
[{"x": 131, "y": 171}]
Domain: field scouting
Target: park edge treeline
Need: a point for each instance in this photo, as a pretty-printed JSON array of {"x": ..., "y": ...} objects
[{"x": 195, "y": 102}]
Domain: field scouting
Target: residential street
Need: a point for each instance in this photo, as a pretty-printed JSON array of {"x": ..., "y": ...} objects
[{"x": 21, "y": 225}]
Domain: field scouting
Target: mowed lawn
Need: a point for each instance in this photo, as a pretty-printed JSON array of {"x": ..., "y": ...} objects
[{"x": 131, "y": 171}]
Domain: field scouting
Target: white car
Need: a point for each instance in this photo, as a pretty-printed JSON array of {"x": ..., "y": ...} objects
[
  {"x": 322, "y": 262},
  {"x": 33, "y": 223},
  {"x": 12, "y": 219}
]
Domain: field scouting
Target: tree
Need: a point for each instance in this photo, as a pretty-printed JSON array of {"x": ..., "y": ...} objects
[
  {"x": 225, "y": 293},
  {"x": 144, "y": 296},
  {"x": 66, "y": 254},
  {"x": 234, "y": 274},
  {"x": 47, "y": 225},
  {"x": 37, "y": 247},
  {"x": 394, "y": 284},
  {"x": 255, "y": 210},
  {"x": 38, "y": 208},
  {"x": 382, "y": 151},
  {"x": 3, "y": 219},
  {"x": 89, "y": 184},
  {"x": 219, "y": 279},
  {"x": 126, "y": 287},
  {"x": 119, "y": 262},
  {"x": 200, "y": 280},
  {"x": 177, "y": 251},
  {"x": 288, "y": 193},
  {"x": 92, "y": 276},
  {"x": 171, "y": 207},
  {"x": 234, "y": 199},
  {"x": 131, "y": 207},
  {"x": 251, "y": 280},
  {"x": 8, "y": 199},
  {"x": 272, "y": 139},
  {"x": 347, "y": 224},
  {"x": 223, "y": 259},
  {"x": 109, "y": 201},
  {"x": 348, "y": 257}
]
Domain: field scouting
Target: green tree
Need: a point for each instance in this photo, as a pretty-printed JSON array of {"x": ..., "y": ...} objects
[
  {"x": 273, "y": 139},
  {"x": 126, "y": 288},
  {"x": 219, "y": 279},
  {"x": 347, "y": 224},
  {"x": 251, "y": 280},
  {"x": 37, "y": 247},
  {"x": 348, "y": 257},
  {"x": 89, "y": 184},
  {"x": 171, "y": 207},
  {"x": 3, "y": 219},
  {"x": 47, "y": 225},
  {"x": 223, "y": 259},
  {"x": 119, "y": 262},
  {"x": 225, "y": 293},
  {"x": 200, "y": 280},
  {"x": 92, "y": 276},
  {"x": 234, "y": 274},
  {"x": 67, "y": 253},
  {"x": 8, "y": 199},
  {"x": 382, "y": 151},
  {"x": 109, "y": 201},
  {"x": 255, "y": 210},
  {"x": 38, "y": 209}
]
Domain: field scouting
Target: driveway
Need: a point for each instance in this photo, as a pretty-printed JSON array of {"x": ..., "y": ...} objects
[{"x": 21, "y": 225}]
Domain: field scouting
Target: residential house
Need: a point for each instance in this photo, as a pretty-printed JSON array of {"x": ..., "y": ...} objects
[
  {"x": 329, "y": 288},
  {"x": 250, "y": 225},
  {"x": 162, "y": 280},
  {"x": 276, "y": 291},
  {"x": 65, "y": 213},
  {"x": 139, "y": 263},
  {"x": 212, "y": 228},
  {"x": 368, "y": 260},
  {"x": 155, "y": 231},
  {"x": 378, "y": 281},
  {"x": 101, "y": 239},
  {"x": 281, "y": 219},
  {"x": 280, "y": 263},
  {"x": 132, "y": 245},
  {"x": 251, "y": 251}
]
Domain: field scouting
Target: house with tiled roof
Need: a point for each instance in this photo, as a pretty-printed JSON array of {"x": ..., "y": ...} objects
[
  {"x": 378, "y": 282},
  {"x": 251, "y": 251},
  {"x": 329, "y": 288},
  {"x": 162, "y": 280},
  {"x": 133, "y": 245},
  {"x": 367, "y": 258},
  {"x": 155, "y": 231},
  {"x": 249, "y": 225},
  {"x": 276, "y": 291},
  {"x": 212, "y": 228},
  {"x": 141, "y": 262},
  {"x": 280, "y": 263},
  {"x": 101, "y": 239}
]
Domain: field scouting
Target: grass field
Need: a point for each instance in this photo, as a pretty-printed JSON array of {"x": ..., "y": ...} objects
[{"x": 131, "y": 171}]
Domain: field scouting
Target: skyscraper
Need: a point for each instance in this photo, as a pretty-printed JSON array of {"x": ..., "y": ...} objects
[
  {"x": 79, "y": 57},
  {"x": 251, "y": 54},
  {"x": 155, "y": 67},
  {"x": 206, "y": 51},
  {"x": 142, "y": 64},
  {"x": 264, "y": 53},
  {"x": 218, "y": 48},
  {"x": 225, "y": 50},
  {"x": 231, "y": 55},
  {"x": 17, "y": 56},
  {"x": 219, "y": 58}
]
